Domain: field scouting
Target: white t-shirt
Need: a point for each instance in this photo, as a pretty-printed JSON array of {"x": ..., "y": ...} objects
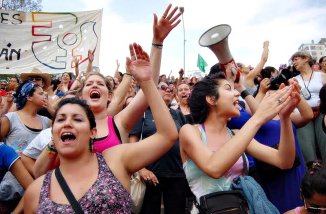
[
  {"x": 314, "y": 86},
  {"x": 34, "y": 149}
]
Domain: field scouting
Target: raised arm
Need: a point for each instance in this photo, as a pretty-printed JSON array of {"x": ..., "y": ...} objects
[
  {"x": 134, "y": 156},
  {"x": 127, "y": 118},
  {"x": 249, "y": 79},
  {"x": 119, "y": 95},
  {"x": 7, "y": 103},
  {"x": 251, "y": 103},
  {"x": 181, "y": 73},
  {"x": 116, "y": 73},
  {"x": 90, "y": 62},
  {"x": 45, "y": 160},
  {"x": 216, "y": 164},
  {"x": 77, "y": 81}
]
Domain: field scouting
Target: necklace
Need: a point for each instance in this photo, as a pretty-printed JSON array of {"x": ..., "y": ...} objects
[{"x": 305, "y": 91}]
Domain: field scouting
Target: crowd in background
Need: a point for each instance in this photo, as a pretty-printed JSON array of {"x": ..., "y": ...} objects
[{"x": 185, "y": 136}]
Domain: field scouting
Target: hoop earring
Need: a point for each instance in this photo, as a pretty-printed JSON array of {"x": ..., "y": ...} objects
[{"x": 91, "y": 145}]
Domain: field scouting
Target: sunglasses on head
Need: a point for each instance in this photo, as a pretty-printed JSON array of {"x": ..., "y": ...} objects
[
  {"x": 35, "y": 79},
  {"x": 165, "y": 88},
  {"x": 312, "y": 209}
]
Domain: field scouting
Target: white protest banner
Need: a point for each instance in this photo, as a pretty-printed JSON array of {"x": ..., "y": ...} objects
[{"x": 48, "y": 40}]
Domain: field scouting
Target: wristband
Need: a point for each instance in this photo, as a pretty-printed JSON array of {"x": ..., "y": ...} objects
[
  {"x": 51, "y": 148},
  {"x": 244, "y": 94},
  {"x": 159, "y": 46}
]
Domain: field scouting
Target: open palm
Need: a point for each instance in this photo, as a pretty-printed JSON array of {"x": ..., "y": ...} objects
[
  {"x": 163, "y": 26},
  {"x": 138, "y": 64}
]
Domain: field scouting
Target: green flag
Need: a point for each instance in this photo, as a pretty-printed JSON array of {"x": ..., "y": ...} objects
[{"x": 201, "y": 64}]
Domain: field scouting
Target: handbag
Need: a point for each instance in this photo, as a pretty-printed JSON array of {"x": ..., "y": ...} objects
[
  {"x": 137, "y": 191},
  {"x": 137, "y": 185},
  {"x": 65, "y": 188},
  {"x": 229, "y": 202}
]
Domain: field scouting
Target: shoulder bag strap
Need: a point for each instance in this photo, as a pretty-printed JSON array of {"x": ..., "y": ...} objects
[
  {"x": 65, "y": 188},
  {"x": 142, "y": 126},
  {"x": 244, "y": 160}
]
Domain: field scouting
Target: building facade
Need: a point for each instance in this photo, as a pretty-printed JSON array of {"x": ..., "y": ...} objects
[{"x": 316, "y": 50}]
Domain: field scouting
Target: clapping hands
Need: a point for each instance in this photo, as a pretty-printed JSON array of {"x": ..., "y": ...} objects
[
  {"x": 274, "y": 103},
  {"x": 295, "y": 98}
]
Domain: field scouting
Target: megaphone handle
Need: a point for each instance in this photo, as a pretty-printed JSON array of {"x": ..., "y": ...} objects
[
  {"x": 234, "y": 69},
  {"x": 236, "y": 73}
]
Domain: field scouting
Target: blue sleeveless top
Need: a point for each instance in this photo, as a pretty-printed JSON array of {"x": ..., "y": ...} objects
[{"x": 201, "y": 184}]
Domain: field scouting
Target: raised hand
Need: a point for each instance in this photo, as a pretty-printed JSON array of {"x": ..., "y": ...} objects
[
  {"x": 138, "y": 64},
  {"x": 264, "y": 55},
  {"x": 264, "y": 85},
  {"x": 75, "y": 61},
  {"x": 90, "y": 56},
  {"x": 181, "y": 72},
  {"x": 163, "y": 26},
  {"x": 118, "y": 64}
]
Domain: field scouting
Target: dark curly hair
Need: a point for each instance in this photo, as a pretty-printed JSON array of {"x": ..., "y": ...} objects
[
  {"x": 314, "y": 181},
  {"x": 267, "y": 72},
  {"x": 208, "y": 86}
]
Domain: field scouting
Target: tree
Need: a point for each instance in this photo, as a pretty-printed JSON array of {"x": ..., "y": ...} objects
[{"x": 22, "y": 5}]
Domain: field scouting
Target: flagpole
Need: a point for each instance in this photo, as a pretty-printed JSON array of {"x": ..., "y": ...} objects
[{"x": 182, "y": 9}]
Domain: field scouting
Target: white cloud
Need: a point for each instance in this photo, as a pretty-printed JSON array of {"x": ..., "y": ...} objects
[
  {"x": 94, "y": 5},
  {"x": 286, "y": 24}
]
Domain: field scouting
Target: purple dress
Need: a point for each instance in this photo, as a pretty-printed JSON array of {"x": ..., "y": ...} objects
[
  {"x": 283, "y": 188},
  {"x": 106, "y": 195}
]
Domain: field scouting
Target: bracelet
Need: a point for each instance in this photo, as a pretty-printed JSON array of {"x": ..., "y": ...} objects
[
  {"x": 244, "y": 93},
  {"x": 159, "y": 46},
  {"x": 51, "y": 148}
]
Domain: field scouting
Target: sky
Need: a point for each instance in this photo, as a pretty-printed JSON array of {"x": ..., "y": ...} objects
[{"x": 285, "y": 24}]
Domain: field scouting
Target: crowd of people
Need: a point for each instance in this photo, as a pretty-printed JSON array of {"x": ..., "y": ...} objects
[{"x": 70, "y": 145}]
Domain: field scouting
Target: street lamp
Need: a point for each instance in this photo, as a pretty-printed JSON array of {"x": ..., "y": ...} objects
[
  {"x": 182, "y": 9},
  {"x": 2, "y": 4}
]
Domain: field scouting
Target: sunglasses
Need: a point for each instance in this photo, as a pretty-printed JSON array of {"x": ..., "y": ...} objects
[
  {"x": 35, "y": 79},
  {"x": 311, "y": 209},
  {"x": 166, "y": 88}
]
